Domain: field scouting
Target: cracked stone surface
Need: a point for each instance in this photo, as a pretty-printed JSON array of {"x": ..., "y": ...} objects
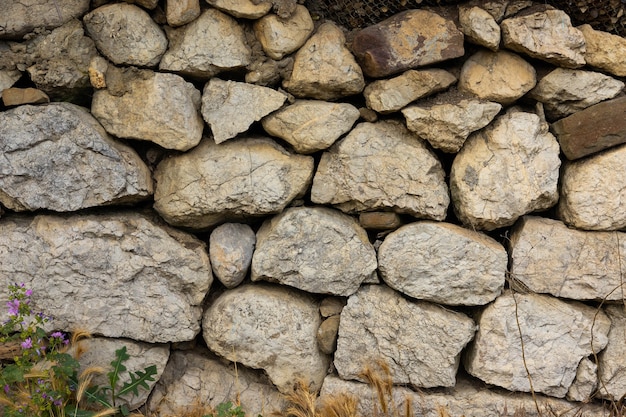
[{"x": 19, "y": 18}]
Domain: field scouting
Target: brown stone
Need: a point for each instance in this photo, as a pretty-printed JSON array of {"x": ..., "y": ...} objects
[
  {"x": 327, "y": 335},
  {"x": 592, "y": 130},
  {"x": 380, "y": 220},
  {"x": 407, "y": 40},
  {"x": 16, "y": 96}
]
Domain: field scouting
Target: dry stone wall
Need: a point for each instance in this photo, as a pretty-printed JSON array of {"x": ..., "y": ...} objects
[{"x": 249, "y": 198}]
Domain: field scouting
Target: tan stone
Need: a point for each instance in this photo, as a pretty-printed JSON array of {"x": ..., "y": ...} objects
[
  {"x": 8, "y": 78},
  {"x": 280, "y": 37},
  {"x": 16, "y": 96},
  {"x": 380, "y": 220},
  {"x": 181, "y": 12},
  {"x": 332, "y": 306},
  {"x": 327, "y": 334},
  {"x": 97, "y": 72},
  {"x": 611, "y": 366},
  {"x": 247, "y": 9},
  {"x": 479, "y": 27},
  {"x": 605, "y": 51}
]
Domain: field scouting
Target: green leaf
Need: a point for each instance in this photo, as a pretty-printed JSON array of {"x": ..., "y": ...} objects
[
  {"x": 72, "y": 411},
  {"x": 139, "y": 379},
  {"x": 118, "y": 367}
]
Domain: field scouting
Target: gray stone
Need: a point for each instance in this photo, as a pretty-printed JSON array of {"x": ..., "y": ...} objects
[
  {"x": 181, "y": 12},
  {"x": 157, "y": 107},
  {"x": 504, "y": 171},
  {"x": 605, "y": 51},
  {"x": 556, "y": 336},
  {"x": 195, "y": 379},
  {"x": 324, "y": 68},
  {"x": 332, "y": 306},
  {"x": 327, "y": 335},
  {"x": 230, "y": 249},
  {"x": 280, "y": 37},
  {"x": 422, "y": 341},
  {"x": 58, "y": 157},
  {"x": 212, "y": 43},
  {"x": 548, "y": 257},
  {"x": 318, "y": 250},
  {"x": 268, "y": 327},
  {"x": 232, "y": 181},
  {"x": 443, "y": 263},
  {"x": 311, "y": 125},
  {"x": 117, "y": 275},
  {"x": 19, "y": 18},
  {"x": 382, "y": 166},
  {"x": 585, "y": 383},
  {"x": 247, "y": 9},
  {"x": 230, "y": 107},
  {"x": 126, "y": 34},
  {"x": 611, "y": 365},
  {"x": 479, "y": 27},
  {"x": 446, "y": 126},
  {"x": 8, "y": 78}
]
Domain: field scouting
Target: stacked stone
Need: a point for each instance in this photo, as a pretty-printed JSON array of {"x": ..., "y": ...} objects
[{"x": 442, "y": 190}]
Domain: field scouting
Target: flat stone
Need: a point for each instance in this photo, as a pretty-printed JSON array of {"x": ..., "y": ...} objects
[
  {"x": 605, "y": 51},
  {"x": 443, "y": 263},
  {"x": 247, "y": 9},
  {"x": 479, "y": 27},
  {"x": 611, "y": 370},
  {"x": 230, "y": 249},
  {"x": 548, "y": 257},
  {"x": 501, "y": 76},
  {"x": 236, "y": 180},
  {"x": 315, "y": 249},
  {"x": 16, "y": 96},
  {"x": 8, "y": 78},
  {"x": 387, "y": 96},
  {"x": 407, "y": 40},
  {"x": 20, "y": 18},
  {"x": 280, "y": 37},
  {"x": 380, "y": 220},
  {"x": 181, "y": 12},
  {"x": 593, "y": 129}
]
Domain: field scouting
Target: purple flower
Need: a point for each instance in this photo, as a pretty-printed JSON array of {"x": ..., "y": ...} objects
[
  {"x": 58, "y": 335},
  {"x": 28, "y": 293},
  {"x": 14, "y": 307},
  {"x": 57, "y": 402},
  {"x": 6, "y": 389},
  {"x": 27, "y": 344}
]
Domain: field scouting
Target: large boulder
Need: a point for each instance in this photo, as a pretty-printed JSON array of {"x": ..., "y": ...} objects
[
  {"x": 20, "y": 18},
  {"x": 605, "y": 51}
]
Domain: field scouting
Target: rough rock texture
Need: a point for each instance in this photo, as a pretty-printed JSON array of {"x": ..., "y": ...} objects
[
  {"x": 548, "y": 257},
  {"x": 556, "y": 336},
  {"x": 318, "y": 250},
  {"x": 324, "y": 68},
  {"x": 586, "y": 381},
  {"x": 566, "y": 91},
  {"x": 157, "y": 107},
  {"x": 605, "y": 51},
  {"x": 327, "y": 335},
  {"x": 590, "y": 202},
  {"x": 611, "y": 366},
  {"x": 421, "y": 342},
  {"x": 592, "y": 130},
  {"x": 247, "y": 9},
  {"x": 382, "y": 166},
  {"x": 8, "y": 78},
  {"x": 311, "y": 125},
  {"x": 190, "y": 378},
  {"x": 447, "y": 126},
  {"x": 497, "y": 76},
  {"x": 58, "y": 157},
  {"x": 234, "y": 180},
  {"x": 117, "y": 275},
  {"x": 280, "y": 37},
  {"x": 443, "y": 263},
  {"x": 100, "y": 352},
  {"x": 181, "y": 12},
  {"x": 230, "y": 249},
  {"x": 504, "y": 171},
  {"x": 409, "y": 39},
  {"x": 21, "y": 17},
  {"x": 126, "y": 34},
  {"x": 230, "y": 107},
  {"x": 212, "y": 43},
  {"x": 479, "y": 27},
  {"x": 268, "y": 327},
  {"x": 387, "y": 96},
  {"x": 546, "y": 35},
  {"x": 380, "y": 220}
]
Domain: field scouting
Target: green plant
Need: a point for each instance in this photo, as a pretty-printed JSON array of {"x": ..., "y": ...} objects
[{"x": 227, "y": 409}]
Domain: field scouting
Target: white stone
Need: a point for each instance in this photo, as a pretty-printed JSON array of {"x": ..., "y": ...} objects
[
  {"x": 479, "y": 27},
  {"x": 611, "y": 365}
]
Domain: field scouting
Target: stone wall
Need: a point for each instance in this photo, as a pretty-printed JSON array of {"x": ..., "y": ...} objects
[{"x": 248, "y": 198}]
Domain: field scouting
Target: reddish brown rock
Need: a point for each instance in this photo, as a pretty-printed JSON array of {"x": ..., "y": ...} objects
[
  {"x": 592, "y": 130},
  {"x": 407, "y": 40}
]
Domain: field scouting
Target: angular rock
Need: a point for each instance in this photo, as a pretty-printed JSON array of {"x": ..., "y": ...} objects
[
  {"x": 422, "y": 341},
  {"x": 235, "y": 180},
  {"x": 100, "y": 352},
  {"x": 443, "y": 263},
  {"x": 605, "y": 51},
  {"x": 566, "y": 91},
  {"x": 409, "y": 39},
  {"x": 331, "y": 306},
  {"x": 157, "y": 107},
  {"x": 58, "y": 157},
  {"x": 592, "y": 192},
  {"x": 212, "y": 43},
  {"x": 327, "y": 335},
  {"x": 318, "y": 250},
  {"x": 230, "y": 107},
  {"x": 479, "y": 27},
  {"x": 280, "y": 37},
  {"x": 382, "y": 166},
  {"x": 98, "y": 68},
  {"x": 547, "y": 35},
  {"x": 556, "y": 335},
  {"x": 271, "y": 328},
  {"x": 17, "y": 96},
  {"x": 324, "y": 68},
  {"x": 497, "y": 76},
  {"x": 611, "y": 366},
  {"x": 593, "y": 129},
  {"x": 387, "y": 96},
  {"x": 146, "y": 4},
  {"x": 181, "y": 12},
  {"x": 20, "y": 18},
  {"x": 380, "y": 220},
  {"x": 230, "y": 249},
  {"x": 117, "y": 275},
  {"x": 504, "y": 171},
  {"x": 446, "y": 126},
  {"x": 196, "y": 377},
  {"x": 311, "y": 125},
  {"x": 8, "y": 78},
  {"x": 126, "y": 34},
  {"x": 247, "y": 9},
  {"x": 548, "y": 257},
  {"x": 585, "y": 383}
]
